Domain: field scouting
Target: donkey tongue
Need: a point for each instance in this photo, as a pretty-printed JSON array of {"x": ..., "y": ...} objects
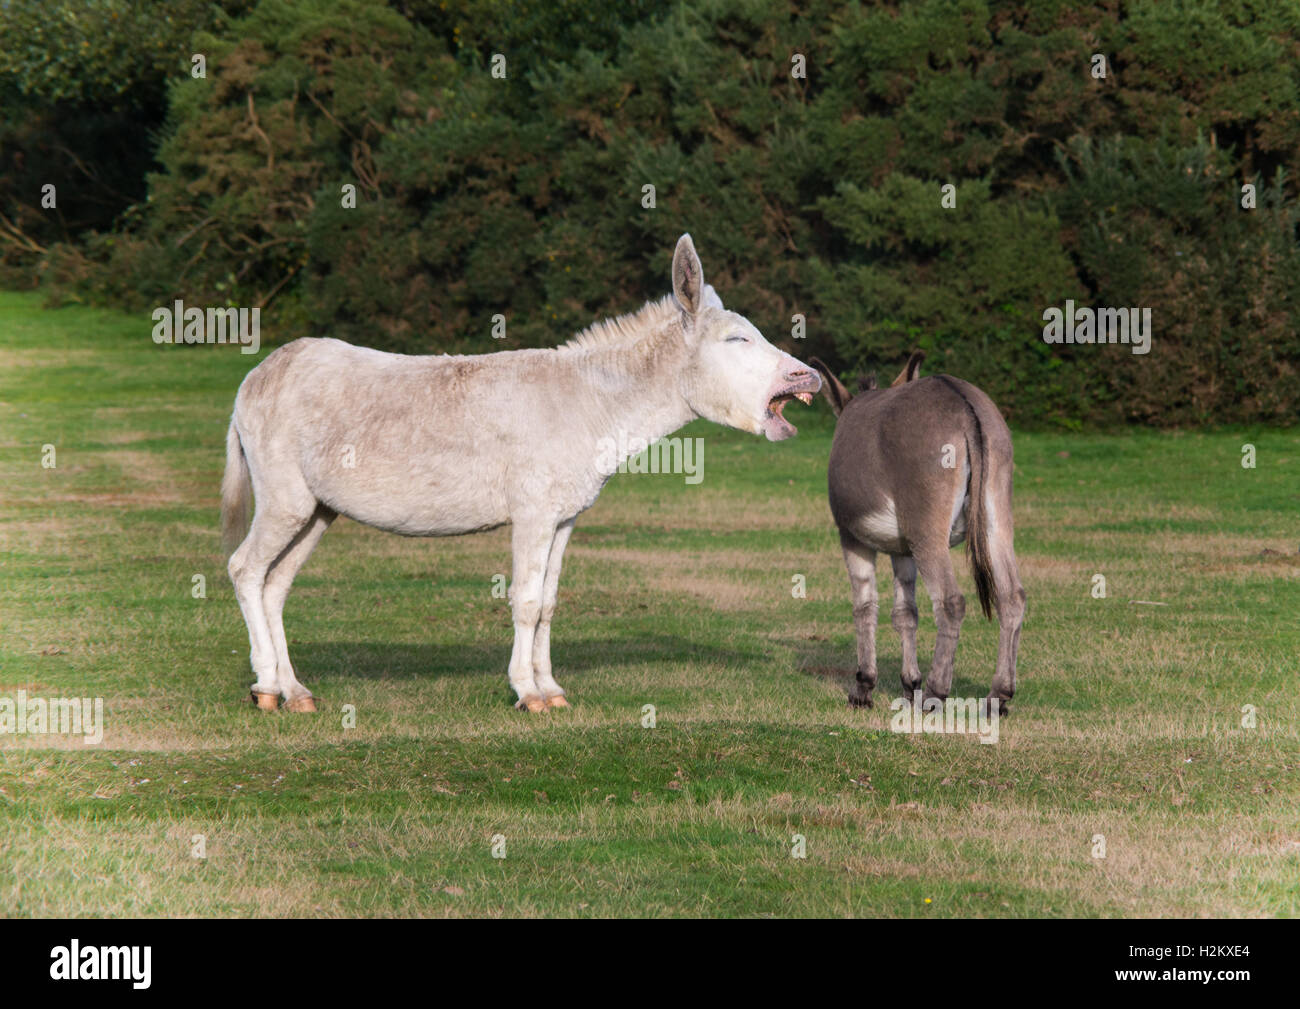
[{"x": 777, "y": 404}]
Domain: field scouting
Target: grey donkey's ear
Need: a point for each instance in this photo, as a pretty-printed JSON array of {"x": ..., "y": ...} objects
[
  {"x": 688, "y": 277},
  {"x": 711, "y": 299},
  {"x": 912, "y": 371},
  {"x": 832, "y": 388}
]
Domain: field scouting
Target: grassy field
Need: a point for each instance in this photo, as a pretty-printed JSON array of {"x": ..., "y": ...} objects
[{"x": 1127, "y": 723}]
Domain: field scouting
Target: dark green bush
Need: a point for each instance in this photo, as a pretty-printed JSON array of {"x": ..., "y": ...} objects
[
  {"x": 82, "y": 95},
  {"x": 521, "y": 196}
]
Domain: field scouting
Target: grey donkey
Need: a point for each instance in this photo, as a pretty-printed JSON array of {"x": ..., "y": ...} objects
[{"x": 915, "y": 469}]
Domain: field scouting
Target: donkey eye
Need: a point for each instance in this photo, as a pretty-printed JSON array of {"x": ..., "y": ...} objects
[{"x": 737, "y": 338}]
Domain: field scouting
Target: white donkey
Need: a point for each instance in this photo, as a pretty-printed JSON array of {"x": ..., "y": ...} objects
[{"x": 439, "y": 446}]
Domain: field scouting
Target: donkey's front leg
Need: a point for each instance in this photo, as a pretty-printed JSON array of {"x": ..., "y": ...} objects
[
  {"x": 861, "y": 564},
  {"x": 531, "y": 545},
  {"x": 551, "y": 691}
]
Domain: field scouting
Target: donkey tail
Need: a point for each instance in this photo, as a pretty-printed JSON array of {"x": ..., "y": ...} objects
[
  {"x": 236, "y": 493},
  {"x": 977, "y": 532},
  {"x": 977, "y": 540}
]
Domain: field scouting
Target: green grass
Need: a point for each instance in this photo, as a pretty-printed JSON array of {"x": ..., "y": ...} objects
[{"x": 1127, "y": 722}]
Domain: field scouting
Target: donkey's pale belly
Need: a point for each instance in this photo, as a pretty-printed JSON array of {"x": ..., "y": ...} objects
[
  {"x": 415, "y": 500},
  {"x": 880, "y": 531},
  {"x": 450, "y": 498}
]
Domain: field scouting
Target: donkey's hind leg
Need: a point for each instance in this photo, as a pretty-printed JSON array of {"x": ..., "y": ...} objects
[
  {"x": 1011, "y": 613},
  {"x": 949, "y": 609},
  {"x": 297, "y": 698},
  {"x": 904, "y": 618},
  {"x": 861, "y": 563},
  {"x": 273, "y": 530}
]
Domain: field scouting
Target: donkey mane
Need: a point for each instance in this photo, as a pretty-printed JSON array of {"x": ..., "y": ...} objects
[{"x": 627, "y": 328}]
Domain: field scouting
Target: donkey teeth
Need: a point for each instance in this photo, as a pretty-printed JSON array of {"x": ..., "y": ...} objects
[{"x": 804, "y": 397}]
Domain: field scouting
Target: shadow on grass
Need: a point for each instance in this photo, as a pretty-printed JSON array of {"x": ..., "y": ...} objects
[
  {"x": 383, "y": 661},
  {"x": 889, "y": 679}
]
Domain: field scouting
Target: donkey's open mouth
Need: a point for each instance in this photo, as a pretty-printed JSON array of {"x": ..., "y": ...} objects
[{"x": 775, "y": 426}]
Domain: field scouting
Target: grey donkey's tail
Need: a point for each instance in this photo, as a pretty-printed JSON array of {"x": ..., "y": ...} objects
[
  {"x": 236, "y": 493},
  {"x": 977, "y": 533}
]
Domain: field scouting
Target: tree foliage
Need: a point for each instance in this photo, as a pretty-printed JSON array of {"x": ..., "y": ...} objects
[
  {"x": 82, "y": 94},
  {"x": 524, "y": 195}
]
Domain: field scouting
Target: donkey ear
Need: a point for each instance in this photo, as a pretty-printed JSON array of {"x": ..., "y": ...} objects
[
  {"x": 688, "y": 277},
  {"x": 832, "y": 388},
  {"x": 711, "y": 299},
  {"x": 912, "y": 371}
]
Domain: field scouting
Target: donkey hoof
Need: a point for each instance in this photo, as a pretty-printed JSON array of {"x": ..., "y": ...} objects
[
  {"x": 930, "y": 695},
  {"x": 301, "y": 705},
  {"x": 557, "y": 701},
  {"x": 992, "y": 703},
  {"x": 533, "y": 703},
  {"x": 857, "y": 700},
  {"x": 267, "y": 702}
]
